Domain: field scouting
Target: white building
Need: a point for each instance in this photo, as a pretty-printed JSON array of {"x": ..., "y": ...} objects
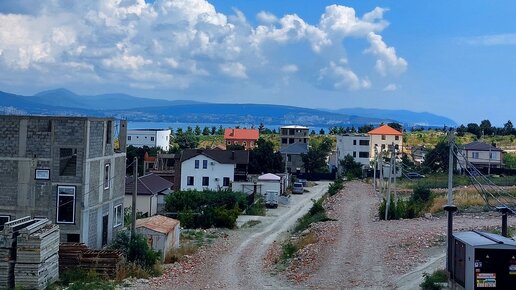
[
  {"x": 212, "y": 169},
  {"x": 149, "y": 137},
  {"x": 355, "y": 145}
]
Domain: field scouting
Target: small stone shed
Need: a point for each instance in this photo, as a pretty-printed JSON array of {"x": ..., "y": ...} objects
[{"x": 162, "y": 232}]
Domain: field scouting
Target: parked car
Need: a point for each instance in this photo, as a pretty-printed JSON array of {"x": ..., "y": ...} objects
[
  {"x": 412, "y": 175},
  {"x": 297, "y": 187},
  {"x": 271, "y": 198}
]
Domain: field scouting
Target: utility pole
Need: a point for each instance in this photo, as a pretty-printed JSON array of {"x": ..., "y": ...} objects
[
  {"x": 391, "y": 163},
  {"x": 380, "y": 161},
  {"x": 135, "y": 191},
  {"x": 450, "y": 167},
  {"x": 450, "y": 208},
  {"x": 489, "y": 168},
  {"x": 375, "y": 167},
  {"x": 395, "y": 175}
]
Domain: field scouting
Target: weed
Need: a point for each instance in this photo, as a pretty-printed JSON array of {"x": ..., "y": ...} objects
[{"x": 431, "y": 281}]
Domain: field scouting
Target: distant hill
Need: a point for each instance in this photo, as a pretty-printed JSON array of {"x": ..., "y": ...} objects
[
  {"x": 406, "y": 117},
  {"x": 65, "y": 102}
]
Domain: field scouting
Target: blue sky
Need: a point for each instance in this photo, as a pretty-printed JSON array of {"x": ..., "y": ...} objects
[{"x": 453, "y": 58}]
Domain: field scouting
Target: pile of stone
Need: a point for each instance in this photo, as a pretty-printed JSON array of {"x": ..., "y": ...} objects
[{"x": 29, "y": 254}]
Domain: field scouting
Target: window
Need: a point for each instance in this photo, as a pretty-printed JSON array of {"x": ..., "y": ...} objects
[
  {"x": 205, "y": 181},
  {"x": 474, "y": 155},
  {"x": 67, "y": 162},
  {"x": 291, "y": 140},
  {"x": 283, "y": 140},
  {"x": 363, "y": 154},
  {"x": 354, "y": 154},
  {"x": 383, "y": 146},
  {"x": 225, "y": 181},
  {"x": 107, "y": 176},
  {"x": 252, "y": 143},
  {"x": 289, "y": 158},
  {"x": 354, "y": 142},
  {"x": 235, "y": 142},
  {"x": 204, "y": 164},
  {"x": 492, "y": 155},
  {"x": 396, "y": 138},
  {"x": 66, "y": 204},
  {"x": 109, "y": 132},
  {"x": 228, "y": 142},
  {"x": 244, "y": 143},
  {"x": 383, "y": 137},
  {"x": 363, "y": 142},
  {"x": 6, "y": 218},
  {"x": 152, "y": 138},
  {"x": 129, "y": 138},
  {"x": 118, "y": 217},
  {"x": 196, "y": 164},
  {"x": 190, "y": 180}
]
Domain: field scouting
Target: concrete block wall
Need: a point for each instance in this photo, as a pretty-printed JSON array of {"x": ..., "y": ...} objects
[
  {"x": 9, "y": 136},
  {"x": 96, "y": 139},
  {"x": 39, "y": 138}
]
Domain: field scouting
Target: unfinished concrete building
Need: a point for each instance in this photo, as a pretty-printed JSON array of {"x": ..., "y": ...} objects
[{"x": 65, "y": 169}]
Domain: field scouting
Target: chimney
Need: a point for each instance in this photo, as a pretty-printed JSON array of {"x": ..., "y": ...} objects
[{"x": 232, "y": 132}]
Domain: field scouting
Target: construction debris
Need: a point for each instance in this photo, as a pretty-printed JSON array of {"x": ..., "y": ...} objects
[
  {"x": 29, "y": 253},
  {"x": 73, "y": 256}
]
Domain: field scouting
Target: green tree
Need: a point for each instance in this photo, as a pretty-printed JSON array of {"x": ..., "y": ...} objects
[
  {"x": 315, "y": 160},
  {"x": 508, "y": 128},
  {"x": 365, "y": 128},
  {"x": 206, "y": 131},
  {"x": 321, "y": 132},
  {"x": 213, "y": 130},
  {"x": 396, "y": 126},
  {"x": 350, "y": 168},
  {"x": 263, "y": 159},
  {"x": 197, "y": 130},
  {"x": 187, "y": 140},
  {"x": 474, "y": 129},
  {"x": 437, "y": 158},
  {"x": 220, "y": 131},
  {"x": 486, "y": 128}
]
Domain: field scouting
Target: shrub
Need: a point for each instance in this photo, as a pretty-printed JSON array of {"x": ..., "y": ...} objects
[
  {"x": 135, "y": 250},
  {"x": 421, "y": 194},
  {"x": 87, "y": 280},
  {"x": 316, "y": 214},
  {"x": 430, "y": 281},
  {"x": 257, "y": 208},
  {"x": 225, "y": 218},
  {"x": 288, "y": 251},
  {"x": 420, "y": 200},
  {"x": 336, "y": 186}
]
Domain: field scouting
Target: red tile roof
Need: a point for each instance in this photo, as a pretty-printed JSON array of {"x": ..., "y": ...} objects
[
  {"x": 385, "y": 130},
  {"x": 158, "y": 223},
  {"x": 241, "y": 134}
]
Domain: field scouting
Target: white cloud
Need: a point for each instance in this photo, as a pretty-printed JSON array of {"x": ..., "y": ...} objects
[
  {"x": 171, "y": 44},
  {"x": 290, "y": 68},
  {"x": 387, "y": 58},
  {"x": 266, "y": 17},
  {"x": 235, "y": 70},
  {"x": 341, "y": 78},
  {"x": 390, "y": 88},
  {"x": 491, "y": 40}
]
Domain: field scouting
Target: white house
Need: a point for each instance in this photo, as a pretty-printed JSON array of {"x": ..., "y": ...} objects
[
  {"x": 149, "y": 137},
  {"x": 480, "y": 155},
  {"x": 212, "y": 169},
  {"x": 150, "y": 197},
  {"x": 382, "y": 137},
  {"x": 355, "y": 145}
]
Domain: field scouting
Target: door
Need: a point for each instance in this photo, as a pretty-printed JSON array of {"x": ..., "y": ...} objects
[{"x": 105, "y": 220}]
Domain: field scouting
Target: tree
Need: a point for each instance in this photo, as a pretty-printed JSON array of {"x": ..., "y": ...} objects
[
  {"x": 351, "y": 168},
  {"x": 206, "y": 131},
  {"x": 315, "y": 160},
  {"x": 213, "y": 130},
  {"x": 365, "y": 128},
  {"x": 263, "y": 159},
  {"x": 486, "y": 128},
  {"x": 508, "y": 128},
  {"x": 197, "y": 130},
  {"x": 220, "y": 131},
  {"x": 261, "y": 127},
  {"x": 312, "y": 132},
  {"x": 474, "y": 129},
  {"x": 396, "y": 126},
  {"x": 187, "y": 140},
  {"x": 437, "y": 158},
  {"x": 461, "y": 130},
  {"x": 321, "y": 132}
]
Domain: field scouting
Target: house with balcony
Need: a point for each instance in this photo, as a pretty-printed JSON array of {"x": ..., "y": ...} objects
[
  {"x": 66, "y": 169},
  {"x": 159, "y": 138},
  {"x": 212, "y": 169},
  {"x": 243, "y": 137},
  {"x": 481, "y": 155}
]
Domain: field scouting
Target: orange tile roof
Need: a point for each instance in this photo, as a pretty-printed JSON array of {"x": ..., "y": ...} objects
[
  {"x": 241, "y": 134},
  {"x": 385, "y": 130}
]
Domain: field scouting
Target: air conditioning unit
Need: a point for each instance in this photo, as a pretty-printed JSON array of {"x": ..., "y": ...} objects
[{"x": 212, "y": 163}]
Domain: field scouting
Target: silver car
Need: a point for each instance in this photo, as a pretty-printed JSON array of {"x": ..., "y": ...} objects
[{"x": 297, "y": 187}]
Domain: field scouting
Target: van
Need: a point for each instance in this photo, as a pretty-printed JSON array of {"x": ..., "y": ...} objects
[{"x": 271, "y": 198}]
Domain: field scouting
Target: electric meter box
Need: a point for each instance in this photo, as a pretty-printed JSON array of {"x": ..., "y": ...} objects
[{"x": 483, "y": 261}]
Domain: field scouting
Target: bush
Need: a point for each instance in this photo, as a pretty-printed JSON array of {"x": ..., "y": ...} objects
[
  {"x": 135, "y": 250},
  {"x": 87, "y": 280},
  {"x": 430, "y": 281},
  {"x": 257, "y": 208},
  {"x": 336, "y": 186},
  {"x": 421, "y": 194},
  {"x": 316, "y": 214},
  {"x": 288, "y": 251},
  {"x": 420, "y": 200},
  {"x": 204, "y": 209}
]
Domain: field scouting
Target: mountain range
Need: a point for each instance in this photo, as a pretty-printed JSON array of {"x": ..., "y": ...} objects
[{"x": 137, "y": 109}]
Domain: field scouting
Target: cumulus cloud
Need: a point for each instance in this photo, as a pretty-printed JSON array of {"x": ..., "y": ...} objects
[
  {"x": 175, "y": 43},
  {"x": 390, "y": 88},
  {"x": 266, "y": 17}
]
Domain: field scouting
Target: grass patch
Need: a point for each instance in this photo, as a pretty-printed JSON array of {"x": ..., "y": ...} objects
[
  {"x": 257, "y": 208},
  {"x": 315, "y": 214},
  {"x": 433, "y": 281},
  {"x": 190, "y": 241},
  {"x": 83, "y": 280},
  {"x": 441, "y": 181},
  {"x": 461, "y": 199}
]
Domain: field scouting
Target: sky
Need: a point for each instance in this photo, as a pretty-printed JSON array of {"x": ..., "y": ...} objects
[{"x": 452, "y": 58}]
